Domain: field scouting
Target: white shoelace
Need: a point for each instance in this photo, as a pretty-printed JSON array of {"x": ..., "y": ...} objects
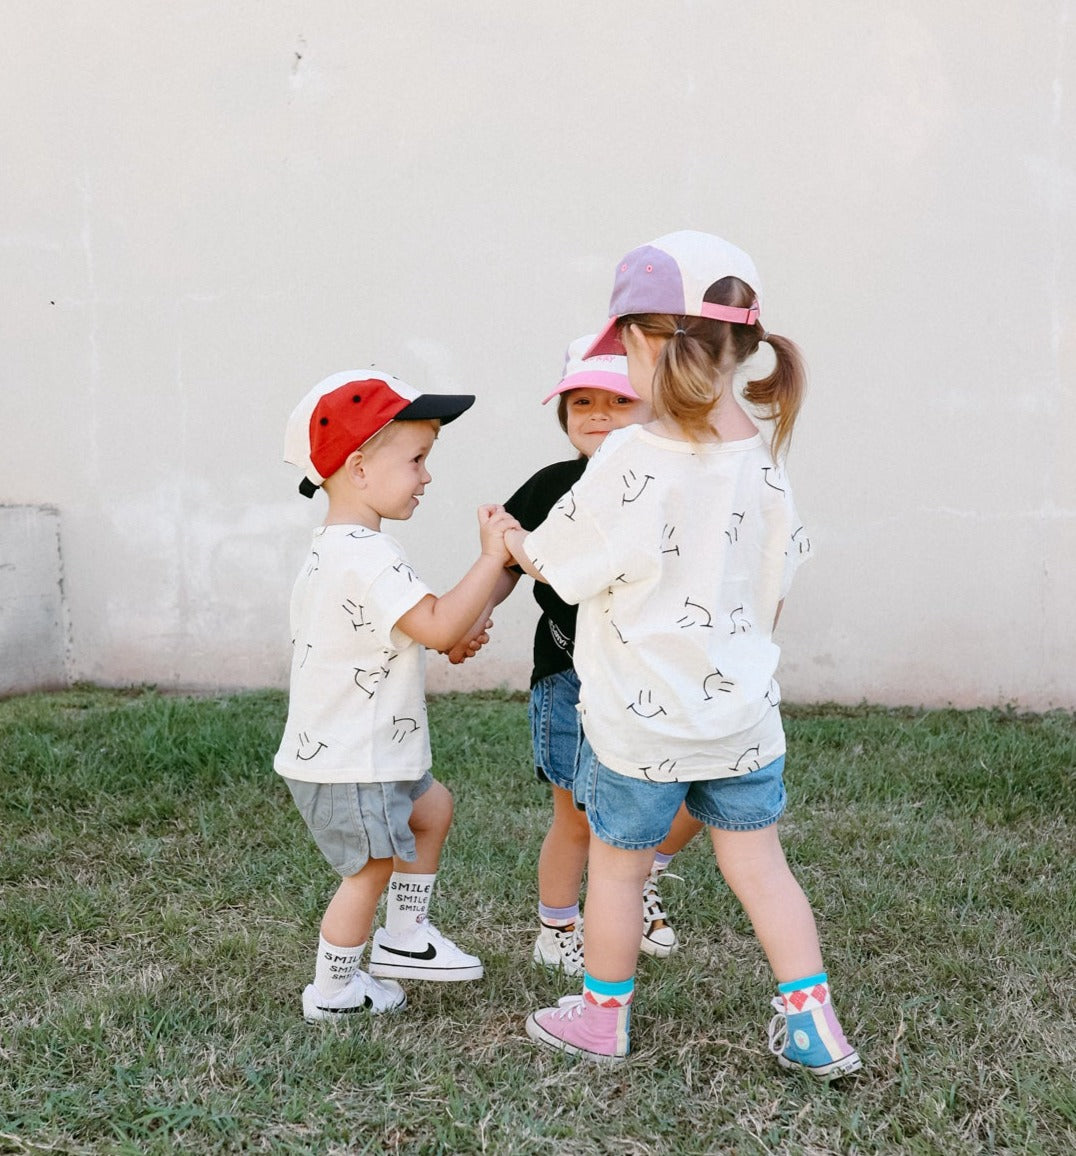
[{"x": 778, "y": 1030}]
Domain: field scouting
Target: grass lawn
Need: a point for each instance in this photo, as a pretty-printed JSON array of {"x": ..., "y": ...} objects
[{"x": 159, "y": 901}]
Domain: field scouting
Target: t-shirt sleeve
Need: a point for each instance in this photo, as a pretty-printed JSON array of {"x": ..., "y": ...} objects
[
  {"x": 391, "y": 595},
  {"x": 582, "y": 547},
  {"x": 531, "y": 503}
]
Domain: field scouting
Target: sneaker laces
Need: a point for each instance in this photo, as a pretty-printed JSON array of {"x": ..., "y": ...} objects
[
  {"x": 569, "y": 943},
  {"x": 569, "y": 1007},
  {"x": 653, "y": 908},
  {"x": 778, "y": 1030}
]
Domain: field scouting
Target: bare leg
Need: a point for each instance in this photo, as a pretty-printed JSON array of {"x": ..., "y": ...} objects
[
  {"x": 431, "y": 817},
  {"x": 684, "y": 828},
  {"x": 753, "y": 864},
  {"x": 351, "y": 910},
  {"x": 564, "y": 853},
  {"x": 613, "y": 925}
]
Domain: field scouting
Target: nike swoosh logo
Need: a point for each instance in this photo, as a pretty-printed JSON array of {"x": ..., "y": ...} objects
[
  {"x": 429, "y": 953},
  {"x": 348, "y": 1011}
]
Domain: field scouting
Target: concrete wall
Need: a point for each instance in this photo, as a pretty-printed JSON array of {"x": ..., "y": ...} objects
[
  {"x": 208, "y": 207},
  {"x": 32, "y": 620}
]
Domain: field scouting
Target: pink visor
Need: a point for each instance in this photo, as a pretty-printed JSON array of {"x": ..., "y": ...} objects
[
  {"x": 608, "y": 340},
  {"x": 595, "y": 379}
]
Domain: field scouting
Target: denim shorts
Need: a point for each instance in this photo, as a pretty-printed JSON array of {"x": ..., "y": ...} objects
[
  {"x": 555, "y": 728},
  {"x": 635, "y": 813},
  {"x": 353, "y": 823}
]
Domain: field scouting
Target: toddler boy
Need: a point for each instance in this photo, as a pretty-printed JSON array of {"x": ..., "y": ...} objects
[{"x": 356, "y": 751}]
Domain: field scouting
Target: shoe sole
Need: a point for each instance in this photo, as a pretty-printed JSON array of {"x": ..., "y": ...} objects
[
  {"x": 541, "y": 1036},
  {"x": 658, "y": 950},
  {"x": 842, "y": 1067},
  {"x": 313, "y": 1014},
  {"x": 417, "y": 971}
]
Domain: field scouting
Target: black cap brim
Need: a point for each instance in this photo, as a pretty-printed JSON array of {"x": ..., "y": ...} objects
[{"x": 443, "y": 407}]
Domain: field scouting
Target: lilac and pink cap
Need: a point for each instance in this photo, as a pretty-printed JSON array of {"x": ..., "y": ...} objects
[{"x": 673, "y": 275}]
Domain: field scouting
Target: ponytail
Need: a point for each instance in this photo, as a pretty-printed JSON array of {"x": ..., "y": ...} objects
[
  {"x": 780, "y": 394},
  {"x": 697, "y": 349}
]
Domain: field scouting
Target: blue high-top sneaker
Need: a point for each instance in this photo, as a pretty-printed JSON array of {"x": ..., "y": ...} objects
[{"x": 805, "y": 1033}]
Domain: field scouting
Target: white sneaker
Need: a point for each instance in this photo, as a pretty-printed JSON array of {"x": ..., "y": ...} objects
[
  {"x": 659, "y": 940},
  {"x": 363, "y": 993},
  {"x": 560, "y": 949},
  {"x": 423, "y": 954}
]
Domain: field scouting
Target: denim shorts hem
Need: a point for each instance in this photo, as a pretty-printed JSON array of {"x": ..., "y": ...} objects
[
  {"x": 637, "y": 814},
  {"x": 726, "y": 825}
]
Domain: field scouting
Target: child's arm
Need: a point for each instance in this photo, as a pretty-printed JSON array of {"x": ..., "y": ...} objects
[
  {"x": 513, "y": 540},
  {"x": 477, "y": 637},
  {"x": 439, "y": 623}
]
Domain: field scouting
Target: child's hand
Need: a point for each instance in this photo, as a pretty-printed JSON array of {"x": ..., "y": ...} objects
[
  {"x": 470, "y": 644},
  {"x": 493, "y": 523}
]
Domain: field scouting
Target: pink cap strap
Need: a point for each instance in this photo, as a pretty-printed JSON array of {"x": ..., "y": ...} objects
[{"x": 730, "y": 313}]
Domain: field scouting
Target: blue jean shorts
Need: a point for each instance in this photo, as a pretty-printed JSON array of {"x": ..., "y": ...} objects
[
  {"x": 634, "y": 814},
  {"x": 555, "y": 728},
  {"x": 353, "y": 823}
]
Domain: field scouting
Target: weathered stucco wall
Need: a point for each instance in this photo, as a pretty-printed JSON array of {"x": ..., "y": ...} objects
[{"x": 206, "y": 208}]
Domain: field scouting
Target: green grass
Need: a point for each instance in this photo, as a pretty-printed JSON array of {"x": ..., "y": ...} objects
[{"x": 159, "y": 900}]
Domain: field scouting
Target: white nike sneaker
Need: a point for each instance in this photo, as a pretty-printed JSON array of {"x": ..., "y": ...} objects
[
  {"x": 363, "y": 993},
  {"x": 424, "y": 953}
]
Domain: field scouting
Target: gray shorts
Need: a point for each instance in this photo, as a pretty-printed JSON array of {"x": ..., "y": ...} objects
[{"x": 353, "y": 823}]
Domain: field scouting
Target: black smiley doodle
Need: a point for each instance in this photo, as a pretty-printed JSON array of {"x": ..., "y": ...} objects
[
  {"x": 312, "y": 748},
  {"x": 748, "y": 761},
  {"x": 664, "y": 772},
  {"x": 733, "y": 532},
  {"x": 643, "y": 705},
  {"x": 633, "y": 488},
  {"x": 367, "y": 680},
  {"x": 357, "y": 614},
  {"x": 687, "y": 620},
  {"x": 766, "y": 471},
  {"x": 404, "y": 727},
  {"x": 741, "y": 624},
  {"x": 724, "y": 685}
]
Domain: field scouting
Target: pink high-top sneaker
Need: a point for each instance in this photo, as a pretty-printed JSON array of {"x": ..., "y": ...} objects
[{"x": 582, "y": 1028}]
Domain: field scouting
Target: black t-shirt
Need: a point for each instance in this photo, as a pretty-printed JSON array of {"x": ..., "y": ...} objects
[{"x": 554, "y": 636}]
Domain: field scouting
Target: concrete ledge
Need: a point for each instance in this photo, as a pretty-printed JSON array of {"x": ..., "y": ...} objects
[{"x": 32, "y": 618}]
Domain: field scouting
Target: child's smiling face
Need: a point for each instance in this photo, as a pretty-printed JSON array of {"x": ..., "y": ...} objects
[{"x": 592, "y": 413}]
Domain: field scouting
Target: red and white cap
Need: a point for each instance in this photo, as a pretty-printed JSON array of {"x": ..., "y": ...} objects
[
  {"x": 344, "y": 411},
  {"x": 606, "y": 371},
  {"x": 675, "y": 274}
]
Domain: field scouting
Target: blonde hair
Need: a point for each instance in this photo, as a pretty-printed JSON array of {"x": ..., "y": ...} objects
[{"x": 697, "y": 349}]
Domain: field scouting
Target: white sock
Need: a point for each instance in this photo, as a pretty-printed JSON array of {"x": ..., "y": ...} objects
[
  {"x": 335, "y": 966},
  {"x": 407, "y": 902}
]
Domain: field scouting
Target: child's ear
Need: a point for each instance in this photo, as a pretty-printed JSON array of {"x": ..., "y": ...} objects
[{"x": 355, "y": 467}]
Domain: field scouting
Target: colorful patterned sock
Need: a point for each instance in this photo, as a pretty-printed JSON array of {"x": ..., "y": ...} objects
[
  {"x": 606, "y": 993},
  {"x": 558, "y": 916},
  {"x": 335, "y": 966},
  {"x": 810, "y": 1036}
]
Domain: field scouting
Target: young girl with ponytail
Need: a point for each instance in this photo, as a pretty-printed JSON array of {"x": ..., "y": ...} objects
[{"x": 679, "y": 544}]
